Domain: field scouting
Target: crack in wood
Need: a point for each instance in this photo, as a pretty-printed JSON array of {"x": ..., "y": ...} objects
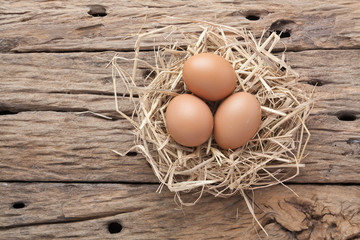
[
  {"x": 151, "y": 49},
  {"x": 91, "y": 27},
  {"x": 130, "y": 182},
  {"x": 93, "y": 92},
  {"x": 77, "y": 50},
  {"x": 14, "y": 111},
  {"x": 72, "y": 219}
]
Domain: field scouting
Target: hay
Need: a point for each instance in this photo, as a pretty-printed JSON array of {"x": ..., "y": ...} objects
[{"x": 273, "y": 156}]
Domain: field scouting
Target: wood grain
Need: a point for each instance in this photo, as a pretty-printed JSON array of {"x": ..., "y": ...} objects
[
  {"x": 84, "y": 211},
  {"x": 58, "y": 176},
  {"x": 51, "y": 146},
  {"x": 53, "y": 26},
  {"x": 63, "y": 146},
  {"x": 60, "y": 82},
  {"x": 80, "y": 81},
  {"x": 48, "y": 146}
]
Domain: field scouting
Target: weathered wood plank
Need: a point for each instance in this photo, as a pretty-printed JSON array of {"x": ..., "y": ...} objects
[
  {"x": 333, "y": 151},
  {"x": 80, "y": 81},
  {"x": 84, "y": 211},
  {"x": 55, "y": 26},
  {"x": 42, "y": 138},
  {"x": 65, "y": 139},
  {"x": 51, "y": 146},
  {"x": 61, "y": 82}
]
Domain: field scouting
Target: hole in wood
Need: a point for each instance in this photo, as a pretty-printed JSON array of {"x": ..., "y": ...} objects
[
  {"x": 114, "y": 227},
  {"x": 252, "y": 17},
  {"x": 18, "y": 205},
  {"x": 149, "y": 74},
  {"x": 315, "y": 82},
  {"x": 346, "y": 116},
  {"x": 97, "y": 11},
  {"x": 283, "y": 34},
  {"x": 282, "y": 27},
  {"x": 132, "y": 154}
]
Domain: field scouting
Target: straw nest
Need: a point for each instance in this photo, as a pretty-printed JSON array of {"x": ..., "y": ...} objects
[{"x": 273, "y": 156}]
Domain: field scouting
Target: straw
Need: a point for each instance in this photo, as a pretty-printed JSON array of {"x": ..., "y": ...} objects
[{"x": 269, "y": 158}]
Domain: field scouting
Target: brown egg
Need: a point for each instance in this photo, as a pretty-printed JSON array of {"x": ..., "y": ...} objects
[
  {"x": 209, "y": 76},
  {"x": 189, "y": 120},
  {"x": 237, "y": 120}
]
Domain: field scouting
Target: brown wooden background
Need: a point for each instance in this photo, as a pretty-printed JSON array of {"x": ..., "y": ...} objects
[{"x": 58, "y": 176}]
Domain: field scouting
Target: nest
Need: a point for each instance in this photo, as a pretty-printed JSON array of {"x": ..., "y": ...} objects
[{"x": 273, "y": 156}]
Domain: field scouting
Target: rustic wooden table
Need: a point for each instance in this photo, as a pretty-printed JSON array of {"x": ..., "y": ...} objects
[{"x": 58, "y": 176}]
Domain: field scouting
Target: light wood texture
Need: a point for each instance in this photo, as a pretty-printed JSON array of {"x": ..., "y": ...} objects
[
  {"x": 84, "y": 211},
  {"x": 58, "y": 176},
  {"x": 55, "y": 26},
  {"x": 63, "y": 146},
  {"x": 59, "y": 82},
  {"x": 80, "y": 81},
  {"x": 48, "y": 146}
]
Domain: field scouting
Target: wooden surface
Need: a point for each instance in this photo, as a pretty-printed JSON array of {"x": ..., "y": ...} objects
[
  {"x": 58, "y": 175},
  {"x": 72, "y": 211}
]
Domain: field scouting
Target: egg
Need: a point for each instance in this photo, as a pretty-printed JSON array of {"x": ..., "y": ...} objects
[
  {"x": 237, "y": 120},
  {"x": 189, "y": 120},
  {"x": 209, "y": 76}
]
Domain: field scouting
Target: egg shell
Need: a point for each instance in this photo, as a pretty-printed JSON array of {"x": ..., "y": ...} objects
[
  {"x": 237, "y": 120},
  {"x": 209, "y": 76},
  {"x": 189, "y": 120}
]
